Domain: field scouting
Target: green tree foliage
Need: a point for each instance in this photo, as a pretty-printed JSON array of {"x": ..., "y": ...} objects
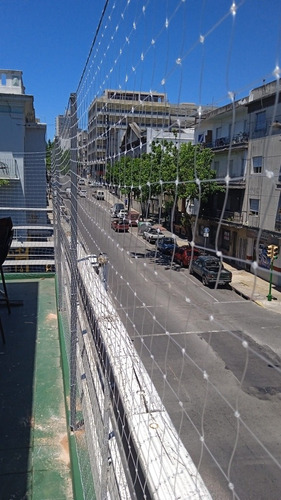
[
  {"x": 49, "y": 149},
  {"x": 183, "y": 172},
  {"x": 65, "y": 161}
]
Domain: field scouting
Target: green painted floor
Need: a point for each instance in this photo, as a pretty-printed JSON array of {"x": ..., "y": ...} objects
[{"x": 34, "y": 453}]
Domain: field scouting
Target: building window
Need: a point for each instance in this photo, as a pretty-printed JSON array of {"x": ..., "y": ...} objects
[
  {"x": 254, "y": 206},
  {"x": 226, "y": 240},
  {"x": 278, "y": 182},
  {"x": 257, "y": 164},
  {"x": 260, "y": 121},
  {"x": 218, "y": 132},
  {"x": 243, "y": 167}
]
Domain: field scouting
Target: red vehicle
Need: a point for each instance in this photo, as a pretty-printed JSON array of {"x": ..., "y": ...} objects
[
  {"x": 120, "y": 225},
  {"x": 184, "y": 253},
  {"x": 133, "y": 217}
]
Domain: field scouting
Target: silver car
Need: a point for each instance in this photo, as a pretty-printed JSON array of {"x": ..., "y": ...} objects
[{"x": 152, "y": 234}]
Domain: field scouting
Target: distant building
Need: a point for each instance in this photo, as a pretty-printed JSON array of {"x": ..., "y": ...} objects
[
  {"x": 123, "y": 123},
  {"x": 82, "y": 152},
  {"x": 63, "y": 130},
  {"x": 22, "y": 153}
]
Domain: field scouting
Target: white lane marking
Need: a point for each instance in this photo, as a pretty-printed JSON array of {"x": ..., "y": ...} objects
[
  {"x": 143, "y": 276},
  {"x": 232, "y": 302},
  {"x": 210, "y": 295}
]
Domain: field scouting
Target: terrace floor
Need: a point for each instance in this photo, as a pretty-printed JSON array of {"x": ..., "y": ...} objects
[{"x": 34, "y": 441}]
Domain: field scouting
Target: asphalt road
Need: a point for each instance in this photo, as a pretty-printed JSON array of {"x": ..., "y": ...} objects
[{"x": 183, "y": 330}]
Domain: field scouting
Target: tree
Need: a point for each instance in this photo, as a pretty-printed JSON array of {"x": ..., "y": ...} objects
[
  {"x": 49, "y": 149},
  {"x": 182, "y": 173}
]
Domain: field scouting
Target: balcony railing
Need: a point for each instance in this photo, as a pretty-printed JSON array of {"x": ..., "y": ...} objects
[
  {"x": 278, "y": 224},
  {"x": 8, "y": 169},
  {"x": 238, "y": 140},
  {"x": 231, "y": 217}
]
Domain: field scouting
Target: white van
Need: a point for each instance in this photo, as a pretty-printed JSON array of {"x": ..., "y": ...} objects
[{"x": 98, "y": 194}]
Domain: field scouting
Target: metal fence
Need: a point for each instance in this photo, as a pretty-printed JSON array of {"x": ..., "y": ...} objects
[{"x": 126, "y": 442}]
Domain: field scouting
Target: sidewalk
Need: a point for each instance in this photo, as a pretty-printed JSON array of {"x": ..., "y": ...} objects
[{"x": 254, "y": 288}]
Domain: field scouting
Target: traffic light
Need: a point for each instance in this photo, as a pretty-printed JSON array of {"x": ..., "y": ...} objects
[
  {"x": 275, "y": 251},
  {"x": 270, "y": 251}
]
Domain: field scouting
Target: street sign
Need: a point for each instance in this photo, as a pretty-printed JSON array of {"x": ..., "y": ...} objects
[{"x": 206, "y": 232}]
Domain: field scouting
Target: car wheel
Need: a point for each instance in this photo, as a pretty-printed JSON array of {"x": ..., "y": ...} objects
[
  {"x": 205, "y": 281},
  {"x": 181, "y": 263}
]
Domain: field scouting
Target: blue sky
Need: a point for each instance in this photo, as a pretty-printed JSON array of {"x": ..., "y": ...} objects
[{"x": 50, "y": 41}]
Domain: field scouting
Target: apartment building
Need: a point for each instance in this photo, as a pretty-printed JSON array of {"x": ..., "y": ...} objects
[
  {"x": 82, "y": 152},
  {"x": 22, "y": 153},
  {"x": 245, "y": 137},
  {"x": 119, "y": 121}
]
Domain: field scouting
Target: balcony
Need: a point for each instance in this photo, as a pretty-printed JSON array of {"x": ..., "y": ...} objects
[
  {"x": 238, "y": 141},
  {"x": 230, "y": 217},
  {"x": 35, "y": 452}
]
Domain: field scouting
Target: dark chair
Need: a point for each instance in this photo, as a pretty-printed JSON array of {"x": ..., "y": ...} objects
[
  {"x": 6, "y": 236},
  {"x": 2, "y": 332}
]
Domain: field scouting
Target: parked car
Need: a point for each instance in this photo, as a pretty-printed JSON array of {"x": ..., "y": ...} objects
[
  {"x": 183, "y": 254},
  {"x": 123, "y": 214},
  {"x": 82, "y": 193},
  {"x": 98, "y": 194},
  {"x": 211, "y": 270},
  {"x": 116, "y": 208},
  {"x": 152, "y": 235},
  {"x": 120, "y": 225},
  {"x": 81, "y": 182},
  {"x": 166, "y": 245},
  {"x": 143, "y": 226}
]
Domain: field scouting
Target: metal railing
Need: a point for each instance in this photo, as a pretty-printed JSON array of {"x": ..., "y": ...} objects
[{"x": 9, "y": 169}]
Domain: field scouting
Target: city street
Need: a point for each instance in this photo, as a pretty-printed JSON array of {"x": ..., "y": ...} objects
[{"x": 203, "y": 349}]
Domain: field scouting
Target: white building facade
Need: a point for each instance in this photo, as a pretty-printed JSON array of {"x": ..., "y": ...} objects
[
  {"x": 122, "y": 123},
  {"x": 22, "y": 154}
]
